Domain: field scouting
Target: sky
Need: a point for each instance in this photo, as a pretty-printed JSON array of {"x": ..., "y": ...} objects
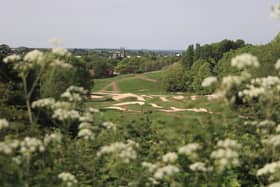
[{"x": 135, "y": 24}]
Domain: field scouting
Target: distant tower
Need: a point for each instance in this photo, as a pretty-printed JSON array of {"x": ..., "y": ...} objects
[{"x": 122, "y": 52}]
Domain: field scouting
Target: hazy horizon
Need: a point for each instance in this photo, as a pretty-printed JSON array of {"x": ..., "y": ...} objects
[{"x": 135, "y": 24}]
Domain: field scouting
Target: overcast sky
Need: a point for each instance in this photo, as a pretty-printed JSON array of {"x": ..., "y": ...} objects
[{"x": 153, "y": 24}]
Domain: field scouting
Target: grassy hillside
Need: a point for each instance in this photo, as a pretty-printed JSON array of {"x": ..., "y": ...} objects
[{"x": 134, "y": 83}]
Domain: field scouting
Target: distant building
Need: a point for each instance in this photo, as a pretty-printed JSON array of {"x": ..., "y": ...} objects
[{"x": 120, "y": 54}]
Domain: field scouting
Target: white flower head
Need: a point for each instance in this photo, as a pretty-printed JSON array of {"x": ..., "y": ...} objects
[
  {"x": 169, "y": 157},
  {"x": 245, "y": 60},
  {"x": 34, "y": 56},
  {"x": 276, "y": 11},
  {"x": 209, "y": 81},
  {"x": 68, "y": 178},
  {"x": 12, "y": 58},
  {"x": 56, "y": 42},
  {"x": 3, "y": 124}
]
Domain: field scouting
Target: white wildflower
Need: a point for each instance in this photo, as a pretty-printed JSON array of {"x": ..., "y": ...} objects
[
  {"x": 123, "y": 151},
  {"x": 109, "y": 125},
  {"x": 56, "y": 42},
  {"x": 276, "y": 11},
  {"x": 277, "y": 64},
  {"x": 86, "y": 134},
  {"x": 47, "y": 102},
  {"x": 60, "y": 51},
  {"x": 278, "y": 128},
  {"x": 3, "y": 124},
  {"x": 189, "y": 149},
  {"x": 276, "y": 184},
  {"x": 31, "y": 145},
  {"x": 269, "y": 168},
  {"x": 151, "y": 167},
  {"x": 227, "y": 154},
  {"x": 68, "y": 179},
  {"x": 199, "y": 166},
  {"x": 34, "y": 56},
  {"x": 166, "y": 171},
  {"x": 60, "y": 64},
  {"x": 11, "y": 58},
  {"x": 169, "y": 157},
  {"x": 63, "y": 114},
  {"x": 8, "y": 146},
  {"x": 245, "y": 60},
  {"x": 273, "y": 140},
  {"x": 52, "y": 138},
  {"x": 86, "y": 117},
  {"x": 209, "y": 81}
]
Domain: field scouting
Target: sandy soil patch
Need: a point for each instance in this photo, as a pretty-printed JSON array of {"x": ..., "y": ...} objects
[
  {"x": 164, "y": 99},
  {"x": 118, "y": 97},
  {"x": 155, "y": 105},
  {"x": 179, "y": 97},
  {"x": 129, "y": 103}
]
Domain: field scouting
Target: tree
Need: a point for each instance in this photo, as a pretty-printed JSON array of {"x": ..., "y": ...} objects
[
  {"x": 173, "y": 78},
  {"x": 188, "y": 57}
]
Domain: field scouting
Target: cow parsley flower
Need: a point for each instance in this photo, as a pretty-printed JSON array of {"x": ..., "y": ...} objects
[
  {"x": 63, "y": 114},
  {"x": 52, "y": 138},
  {"x": 60, "y": 51},
  {"x": 3, "y": 124},
  {"x": 209, "y": 81},
  {"x": 30, "y": 145},
  {"x": 68, "y": 179},
  {"x": 189, "y": 148},
  {"x": 87, "y": 134},
  {"x": 276, "y": 11},
  {"x": 34, "y": 56},
  {"x": 151, "y": 167},
  {"x": 199, "y": 166},
  {"x": 109, "y": 125},
  {"x": 56, "y": 42},
  {"x": 277, "y": 64},
  {"x": 169, "y": 157},
  {"x": 43, "y": 103},
  {"x": 226, "y": 154},
  {"x": 123, "y": 151},
  {"x": 166, "y": 171},
  {"x": 60, "y": 64},
  {"x": 11, "y": 58},
  {"x": 269, "y": 168},
  {"x": 245, "y": 60}
]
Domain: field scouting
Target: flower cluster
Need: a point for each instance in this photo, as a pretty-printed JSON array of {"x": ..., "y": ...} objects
[
  {"x": 64, "y": 114},
  {"x": 68, "y": 178},
  {"x": 261, "y": 87},
  {"x": 8, "y": 146},
  {"x": 73, "y": 93},
  {"x": 276, "y": 11},
  {"x": 123, "y": 151},
  {"x": 269, "y": 168},
  {"x": 200, "y": 166},
  {"x": 170, "y": 157},
  {"x": 55, "y": 137},
  {"x": 109, "y": 125},
  {"x": 85, "y": 131},
  {"x": 35, "y": 56},
  {"x": 245, "y": 60},
  {"x": 60, "y": 64},
  {"x": 226, "y": 154},
  {"x": 189, "y": 149},
  {"x": 60, "y": 51},
  {"x": 12, "y": 58},
  {"x": 166, "y": 171},
  {"x": 209, "y": 81},
  {"x": 30, "y": 145},
  {"x": 44, "y": 103},
  {"x": 3, "y": 124}
]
